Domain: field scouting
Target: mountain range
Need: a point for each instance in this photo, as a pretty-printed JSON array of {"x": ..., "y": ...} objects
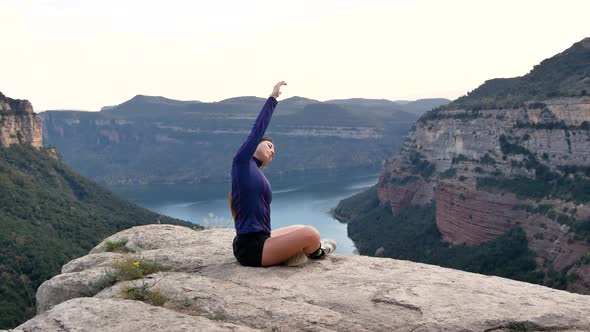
[{"x": 155, "y": 140}]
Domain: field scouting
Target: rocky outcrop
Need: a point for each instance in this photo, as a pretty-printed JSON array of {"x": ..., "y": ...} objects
[
  {"x": 449, "y": 150},
  {"x": 399, "y": 188},
  {"x": 18, "y": 123},
  {"x": 204, "y": 288},
  {"x": 467, "y": 216},
  {"x": 93, "y": 314}
]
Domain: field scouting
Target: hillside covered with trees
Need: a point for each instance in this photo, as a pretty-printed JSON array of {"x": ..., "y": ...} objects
[{"x": 49, "y": 215}]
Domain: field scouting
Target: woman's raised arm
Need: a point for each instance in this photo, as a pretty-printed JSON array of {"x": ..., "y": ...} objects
[{"x": 246, "y": 151}]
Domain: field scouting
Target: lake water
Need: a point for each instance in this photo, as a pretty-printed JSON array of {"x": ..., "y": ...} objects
[{"x": 296, "y": 201}]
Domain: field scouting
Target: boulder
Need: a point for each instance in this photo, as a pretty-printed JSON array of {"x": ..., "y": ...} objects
[{"x": 206, "y": 289}]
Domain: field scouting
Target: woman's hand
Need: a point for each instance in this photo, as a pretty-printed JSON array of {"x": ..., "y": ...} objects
[{"x": 276, "y": 91}]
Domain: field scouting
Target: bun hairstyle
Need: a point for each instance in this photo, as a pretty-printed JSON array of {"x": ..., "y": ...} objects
[{"x": 231, "y": 206}]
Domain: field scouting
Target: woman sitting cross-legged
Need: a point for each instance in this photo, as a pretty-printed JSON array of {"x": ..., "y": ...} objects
[{"x": 255, "y": 244}]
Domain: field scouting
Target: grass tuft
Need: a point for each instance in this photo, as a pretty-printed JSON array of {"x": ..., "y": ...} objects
[{"x": 117, "y": 245}]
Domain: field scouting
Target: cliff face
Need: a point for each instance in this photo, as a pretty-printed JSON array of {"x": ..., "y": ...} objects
[
  {"x": 18, "y": 123},
  {"x": 200, "y": 286},
  {"x": 466, "y": 161}
]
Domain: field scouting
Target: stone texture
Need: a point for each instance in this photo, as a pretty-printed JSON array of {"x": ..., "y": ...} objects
[
  {"x": 81, "y": 283},
  {"x": 18, "y": 123},
  {"x": 399, "y": 195},
  {"x": 208, "y": 290},
  {"x": 465, "y": 215},
  {"x": 92, "y": 314}
]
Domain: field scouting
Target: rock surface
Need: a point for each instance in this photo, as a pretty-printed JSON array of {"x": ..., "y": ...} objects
[
  {"x": 18, "y": 123},
  {"x": 206, "y": 289},
  {"x": 90, "y": 314}
]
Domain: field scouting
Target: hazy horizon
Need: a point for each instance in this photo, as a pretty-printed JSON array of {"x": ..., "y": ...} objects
[
  {"x": 83, "y": 55},
  {"x": 400, "y": 101}
]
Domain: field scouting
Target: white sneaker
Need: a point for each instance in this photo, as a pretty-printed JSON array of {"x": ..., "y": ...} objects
[
  {"x": 297, "y": 260},
  {"x": 328, "y": 246}
]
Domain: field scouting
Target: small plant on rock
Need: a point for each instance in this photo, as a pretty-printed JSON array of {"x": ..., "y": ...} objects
[
  {"x": 145, "y": 293},
  {"x": 135, "y": 267},
  {"x": 117, "y": 245}
]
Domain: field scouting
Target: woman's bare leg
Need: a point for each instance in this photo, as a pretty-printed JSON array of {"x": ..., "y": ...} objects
[
  {"x": 278, "y": 249},
  {"x": 285, "y": 230}
]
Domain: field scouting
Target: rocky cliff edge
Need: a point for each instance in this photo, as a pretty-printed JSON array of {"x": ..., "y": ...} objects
[
  {"x": 18, "y": 123},
  {"x": 201, "y": 287}
]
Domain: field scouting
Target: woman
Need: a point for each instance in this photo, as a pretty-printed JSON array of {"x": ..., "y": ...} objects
[{"x": 255, "y": 244}]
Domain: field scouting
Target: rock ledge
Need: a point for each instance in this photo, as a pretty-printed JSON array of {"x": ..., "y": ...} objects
[{"x": 208, "y": 290}]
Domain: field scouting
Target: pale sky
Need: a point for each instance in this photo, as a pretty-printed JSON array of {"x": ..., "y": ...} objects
[{"x": 82, "y": 54}]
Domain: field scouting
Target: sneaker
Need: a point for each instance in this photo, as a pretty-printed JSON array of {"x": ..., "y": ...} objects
[
  {"x": 328, "y": 246},
  {"x": 297, "y": 260}
]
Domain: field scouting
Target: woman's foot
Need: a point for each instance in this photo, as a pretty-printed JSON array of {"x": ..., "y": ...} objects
[
  {"x": 326, "y": 247},
  {"x": 297, "y": 260}
]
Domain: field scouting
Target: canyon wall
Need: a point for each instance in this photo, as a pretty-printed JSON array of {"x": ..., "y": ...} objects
[
  {"x": 18, "y": 123},
  {"x": 461, "y": 159}
]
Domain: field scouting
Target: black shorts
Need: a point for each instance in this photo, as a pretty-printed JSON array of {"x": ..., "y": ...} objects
[{"x": 248, "y": 248}]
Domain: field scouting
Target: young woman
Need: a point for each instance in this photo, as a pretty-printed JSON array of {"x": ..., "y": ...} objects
[{"x": 255, "y": 244}]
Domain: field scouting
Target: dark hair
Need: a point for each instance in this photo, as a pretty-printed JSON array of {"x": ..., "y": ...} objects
[
  {"x": 231, "y": 205},
  {"x": 265, "y": 138}
]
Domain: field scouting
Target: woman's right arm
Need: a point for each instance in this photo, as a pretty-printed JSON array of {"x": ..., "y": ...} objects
[{"x": 246, "y": 151}]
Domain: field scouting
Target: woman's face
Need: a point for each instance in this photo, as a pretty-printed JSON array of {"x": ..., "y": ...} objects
[{"x": 265, "y": 152}]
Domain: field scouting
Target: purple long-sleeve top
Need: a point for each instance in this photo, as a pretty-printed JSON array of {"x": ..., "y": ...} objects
[{"x": 251, "y": 192}]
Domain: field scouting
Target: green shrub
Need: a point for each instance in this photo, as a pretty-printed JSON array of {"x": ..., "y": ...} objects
[
  {"x": 420, "y": 166},
  {"x": 136, "y": 267},
  {"x": 510, "y": 148},
  {"x": 459, "y": 158},
  {"x": 449, "y": 173},
  {"x": 546, "y": 184},
  {"x": 117, "y": 245},
  {"x": 145, "y": 294},
  {"x": 487, "y": 159}
]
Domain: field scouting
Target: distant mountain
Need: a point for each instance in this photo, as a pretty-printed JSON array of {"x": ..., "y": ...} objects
[
  {"x": 363, "y": 102},
  {"x": 417, "y": 107},
  {"x": 49, "y": 214},
  {"x": 250, "y": 100},
  {"x": 149, "y": 104},
  {"x": 296, "y": 103},
  {"x": 566, "y": 74},
  {"x": 421, "y": 106},
  {"x": 402, "y": 102},
  {"x": 158, "y": 140},
  {"x": 299, "y": 101}
]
